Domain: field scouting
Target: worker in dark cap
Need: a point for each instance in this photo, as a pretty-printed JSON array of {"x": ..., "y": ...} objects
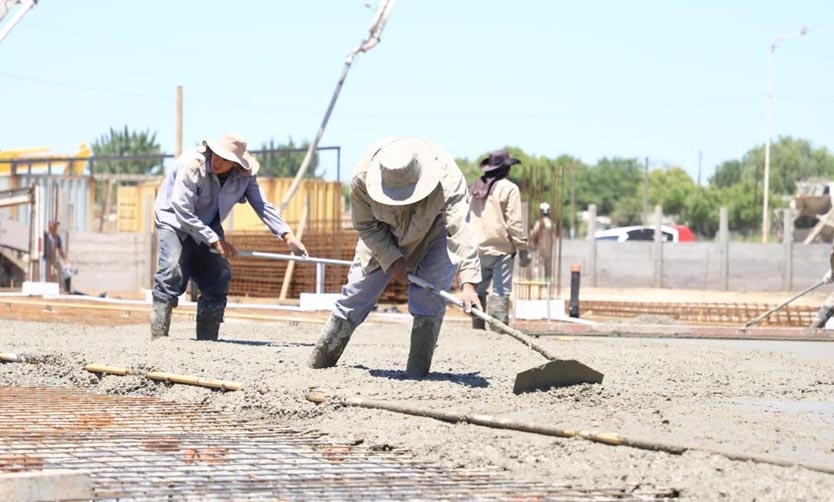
[{"x": 495, "y": 216}]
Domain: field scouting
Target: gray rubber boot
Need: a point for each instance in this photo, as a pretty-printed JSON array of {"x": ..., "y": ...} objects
[
  {"x": 208, "y": 328},
  {"x": 479, "y": 323},
  {"x": 424, "y": 332},
  {"x": 334, "y": 338},
  {"x": 499, "y": 308},
  {"x": 823, "y": 315},
  {"x": 160, "y": 319}
]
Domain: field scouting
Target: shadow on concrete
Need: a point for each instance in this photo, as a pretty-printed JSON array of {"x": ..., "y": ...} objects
[
  {"x": 261, "y": 343},
  {"x": 465, "y": 379}
]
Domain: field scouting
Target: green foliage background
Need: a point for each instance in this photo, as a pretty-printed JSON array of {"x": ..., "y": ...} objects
[{"x": 616, "y": 186}]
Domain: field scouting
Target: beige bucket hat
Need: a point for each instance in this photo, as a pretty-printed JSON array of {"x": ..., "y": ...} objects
[
  {"x": 403, "y": 171},
  {"x": 232, "y": 147}
]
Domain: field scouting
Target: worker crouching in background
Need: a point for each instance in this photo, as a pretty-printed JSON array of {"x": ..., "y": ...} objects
[
  {"x": 495, "y": 214},
  {"x": 409, "y": 206},
  {"x": 193, "y": 201}
]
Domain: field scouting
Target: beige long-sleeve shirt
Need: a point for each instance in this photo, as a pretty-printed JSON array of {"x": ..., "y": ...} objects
[
  {"x": 387, "y": 233},
  {"x": 496, "y": 220}
]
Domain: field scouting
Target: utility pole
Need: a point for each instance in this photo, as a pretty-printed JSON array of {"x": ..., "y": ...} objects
[
  {"x": 699, "y": 166},
  {"x": 646, "y": 192},
  {"x": 178, "y": 145},
  {"x": 766, "y": 189}
]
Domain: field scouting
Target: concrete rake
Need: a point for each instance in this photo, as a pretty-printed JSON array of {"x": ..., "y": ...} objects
[{"x": 555, "y": 373}]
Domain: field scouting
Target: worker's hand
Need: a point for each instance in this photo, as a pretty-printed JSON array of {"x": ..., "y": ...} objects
[
  {"x": 469, "y": 297},
  {"x": 296, "y": 246},
  {"x": 398, "y": 270},
  {"x": 224, "y": 248},
  {"x": 524, "y": 258},
  {"x": 828, "y": 277}
]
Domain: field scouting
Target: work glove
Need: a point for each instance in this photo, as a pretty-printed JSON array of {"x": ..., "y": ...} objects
[
  {"x": 828, "y": 277},
  {"x": 523, "y": 258}
]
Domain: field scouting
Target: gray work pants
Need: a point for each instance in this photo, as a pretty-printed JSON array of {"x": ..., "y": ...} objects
[
  {"x": 497, "y": 269},
  {"x": 362, "y": 290}
]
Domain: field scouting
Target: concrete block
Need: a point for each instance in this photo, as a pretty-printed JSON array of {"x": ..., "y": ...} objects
[
  {"x": 537, "y": 309},
  {"x": 41, "y": 288},
  {"x": 50, "y": 485},
  {"x": 318, "y": 301}
]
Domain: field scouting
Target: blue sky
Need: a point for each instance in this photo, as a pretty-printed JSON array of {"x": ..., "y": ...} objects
[{"x": 657, "y": 79}]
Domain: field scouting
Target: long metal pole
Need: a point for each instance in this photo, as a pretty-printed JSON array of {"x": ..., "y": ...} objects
[
  {"x": 370, "y": 42},
  {"x": 290, "y": 257},
  {"x": 26, "y": 5}
]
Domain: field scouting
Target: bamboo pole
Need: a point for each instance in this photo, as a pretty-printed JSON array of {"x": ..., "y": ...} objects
[
  {"x": 607, "y": 438},
  {"x": 160, "y": 376}
]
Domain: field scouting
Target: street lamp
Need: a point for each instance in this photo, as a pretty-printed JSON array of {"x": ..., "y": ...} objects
[{"x": 765, "y": 211}]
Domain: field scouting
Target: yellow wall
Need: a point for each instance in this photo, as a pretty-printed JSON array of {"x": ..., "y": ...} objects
[
  {"x": 135, "y": 202},
  {"x": 57, "y": 167}
]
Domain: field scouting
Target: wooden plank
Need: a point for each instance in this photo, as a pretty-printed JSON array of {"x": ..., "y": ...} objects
[
  {"x": 285, "y": 286},
  {"x": 60, "y": 484}
]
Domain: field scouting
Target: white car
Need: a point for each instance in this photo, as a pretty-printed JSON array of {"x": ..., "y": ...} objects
[{"x": 671, "y": 233}]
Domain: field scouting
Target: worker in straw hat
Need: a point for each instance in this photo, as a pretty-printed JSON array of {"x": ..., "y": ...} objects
[
  {"x": 193, "y": 201},
  {"x": 409, "y": 205},
  {"x": 495, "y": 211}
]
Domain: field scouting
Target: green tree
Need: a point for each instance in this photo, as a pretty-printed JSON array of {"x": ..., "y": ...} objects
[
  {"x": 609, "y": 182},
  {"x": 670, "y": 188},
  {"x": 127, "y": 143},
  {"x": 701, "y": 210},
  {"x": 283, "y": 160}
]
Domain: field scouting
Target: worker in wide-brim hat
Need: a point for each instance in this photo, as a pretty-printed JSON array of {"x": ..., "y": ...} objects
[
  {"x": 192, "y": 203},
  {"x": 409, "y": 206},
  {"x": 495, "y": 215}
]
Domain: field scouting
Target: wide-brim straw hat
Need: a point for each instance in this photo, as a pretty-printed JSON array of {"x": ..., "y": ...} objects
[
  {"x": 232, "y": 147},
  {"x": 403, "y": 171}
]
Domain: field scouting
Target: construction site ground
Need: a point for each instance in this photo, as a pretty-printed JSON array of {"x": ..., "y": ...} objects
[{"x": 745, "y": 420}]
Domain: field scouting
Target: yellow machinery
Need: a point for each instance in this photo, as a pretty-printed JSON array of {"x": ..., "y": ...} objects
[{"x": 40, "y": 161}]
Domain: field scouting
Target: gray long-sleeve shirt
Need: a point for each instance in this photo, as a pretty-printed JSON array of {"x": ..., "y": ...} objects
[{"x": 192, "y": 200}]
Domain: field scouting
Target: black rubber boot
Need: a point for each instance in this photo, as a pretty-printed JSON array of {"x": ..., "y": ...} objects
[
  {"x": 424, "y": 332},
  {"x": 208, "y": 328},
  {"x": 499, "y": 308},
  {"x": 334, "y": 338},
  {"x": 823, "y": 315},
  {"x": 479, "y": 323},
  {"x": 160, "y": 319}
]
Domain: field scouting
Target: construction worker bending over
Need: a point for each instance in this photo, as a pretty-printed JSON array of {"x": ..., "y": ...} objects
[
  {"x": 193, "y": 201},
  {"x": 827, "y": 309},
  {"x": 408, "y": 203},
  {"x": 495, "y": 213}
]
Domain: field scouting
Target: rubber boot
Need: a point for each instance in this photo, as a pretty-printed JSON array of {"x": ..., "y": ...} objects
[
  {"x": 479, "y": 323},
  {"x": 424, "y": 332},
  {"x": 823, "y": 315},
  {"x": 208, "y": 328},
  {"x": 499, "y": 308},
  {"x": 160, "y": 319},
  {"x": 334, "y": 338}
]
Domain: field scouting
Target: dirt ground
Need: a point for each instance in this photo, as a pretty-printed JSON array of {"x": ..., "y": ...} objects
[{"x": 747, "y": 401}]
